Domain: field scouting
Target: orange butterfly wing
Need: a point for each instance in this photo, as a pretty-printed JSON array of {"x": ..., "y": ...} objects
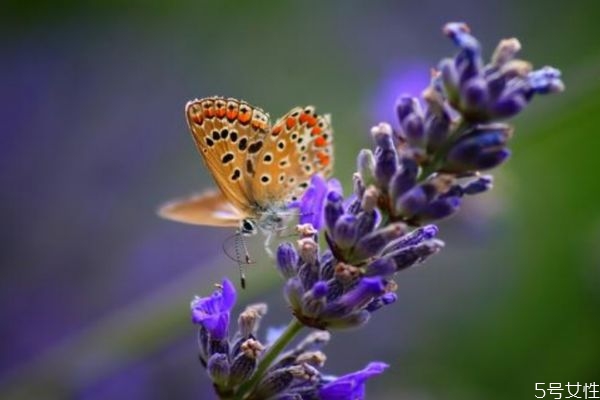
[
  {"x": 298, "y": 146},
  {"x": 226, "y": 133}
]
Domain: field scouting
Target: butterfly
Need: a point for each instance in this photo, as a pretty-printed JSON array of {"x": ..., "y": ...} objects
[{"x": 258, "y": 168}]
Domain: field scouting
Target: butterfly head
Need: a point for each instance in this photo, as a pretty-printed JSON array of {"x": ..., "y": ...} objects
[{"x": 248, "y": 227}]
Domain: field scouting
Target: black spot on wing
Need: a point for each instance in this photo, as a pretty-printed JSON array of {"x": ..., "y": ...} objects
[
  {"x": 255, "y": 147},
  {"x": 243, "y": 143},
  {"x": 228, "y": 157}
]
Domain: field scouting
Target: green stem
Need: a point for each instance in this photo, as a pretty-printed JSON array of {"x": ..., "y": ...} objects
[{"x": 286, "y": 337}]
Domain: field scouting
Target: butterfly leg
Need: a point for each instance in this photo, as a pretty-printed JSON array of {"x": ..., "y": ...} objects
[{"x": 268, "y": 241}]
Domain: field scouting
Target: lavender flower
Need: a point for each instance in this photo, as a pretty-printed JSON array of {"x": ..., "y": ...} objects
[
  {"x": 212, "y": 313},
  {"x": 233, "y": 363},
  {"x": 500, "y": 89},
  {"x": 421, "y": 172},
  {"x": 415, "y": 175},
  {"x": 342, "y": 287}
]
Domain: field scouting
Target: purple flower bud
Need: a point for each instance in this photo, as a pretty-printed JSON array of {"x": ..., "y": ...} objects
[
  {"x": 449, "y": 79},
  {"x": 358, "y": 297},
  {"x": 470, "y": 152},
  {"x": 314, "y": 300},
  {"x": 437, "y": 128},
  {"x": 479, "y": 185},
  {"x": 312, "y": 202},
  {"x": 411, "y": 255},
  {"x": 474, "y": 96},
  {"x": 351, "y": 386},
  {"x": 413, "y": 201},
  {"x": 327, "y": 267},
  {"x": 212, "y": 313},
  {"x": 242, "y": 368},
  {"x": 386, "y": 299},
  {"x": 275, "y": 382},
  {"x": 381, "y": 267},
  {"x": 468, "y": 65},
  {"x": 293, "y": 292},
  {"x": 405, "y": 178},
  {"x": 218, "y": 346},
  {"x": 287, "y": 260},
  {"x": 410, "y": 116},
  {"x": 405, "y": 106},
  {"x": 414, "y": 130},
  {"x": 345, "y": 231},
  {"x": 218, "y": 368},
  {"x": 440, "y": 208},
  {"x": 412, "y": 238},
  {"x": 460, "y": 34},
  {"x": 509, "y": 105},
  {"x": 545, "y": 80},
  {"x": 382, "y": 134},
  {"x": 496, "y": 83},
  {"x": 366, "y": 221},
  {"x": 372, "y": 243},
  {"x": 333, "y": 210},
  {"x": 319, "y": 290},
  {"x": 491, "y": 159},
  {"x": 386, "y": 166}
]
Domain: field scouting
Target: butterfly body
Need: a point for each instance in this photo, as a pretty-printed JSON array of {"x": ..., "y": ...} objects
[{"x": 258, "y": 168}]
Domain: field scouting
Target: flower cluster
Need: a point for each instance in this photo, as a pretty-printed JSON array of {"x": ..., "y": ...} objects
[
  {"x": 423, "y": 170},
  {"x": 416, "y": 175},
  {"x": 353, "y": 278},
  {"x": 231, "y": 363}
]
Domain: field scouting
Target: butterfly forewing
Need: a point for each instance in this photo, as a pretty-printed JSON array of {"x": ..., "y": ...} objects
[
  {"x": 298, "y": 146},
  {"x": 227, "y": 132}
]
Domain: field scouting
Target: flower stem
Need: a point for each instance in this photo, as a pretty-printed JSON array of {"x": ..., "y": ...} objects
[{"x": 271, "y": 354}]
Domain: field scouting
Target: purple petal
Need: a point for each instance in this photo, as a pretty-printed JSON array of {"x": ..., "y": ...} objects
[
  {"x": 351, "y": 386},
  {"x": 546, "y": 80},
  {"x": 311, "y": 204},
  {"x": 228, "y": 295}
]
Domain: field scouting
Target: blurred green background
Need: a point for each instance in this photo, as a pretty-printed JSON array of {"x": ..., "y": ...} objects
[{"x": 94, "y": 288}]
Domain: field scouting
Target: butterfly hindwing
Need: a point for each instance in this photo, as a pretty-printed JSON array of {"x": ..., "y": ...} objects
[
  {"x": 209, "y": 208},
  {"x": 298, "y": 146}
]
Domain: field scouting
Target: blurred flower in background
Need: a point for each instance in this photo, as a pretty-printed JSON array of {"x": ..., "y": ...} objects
[{"x": 405, "y": 79}]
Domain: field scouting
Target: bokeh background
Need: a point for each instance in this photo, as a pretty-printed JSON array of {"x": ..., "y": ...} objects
[{"x": 94, "y": 288}]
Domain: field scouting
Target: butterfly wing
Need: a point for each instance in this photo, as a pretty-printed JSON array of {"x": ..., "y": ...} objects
[
  {"x": 209, "y": 208},
  {"x": 226, "y": 131},
  {"x": 298, "y": 146}
]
